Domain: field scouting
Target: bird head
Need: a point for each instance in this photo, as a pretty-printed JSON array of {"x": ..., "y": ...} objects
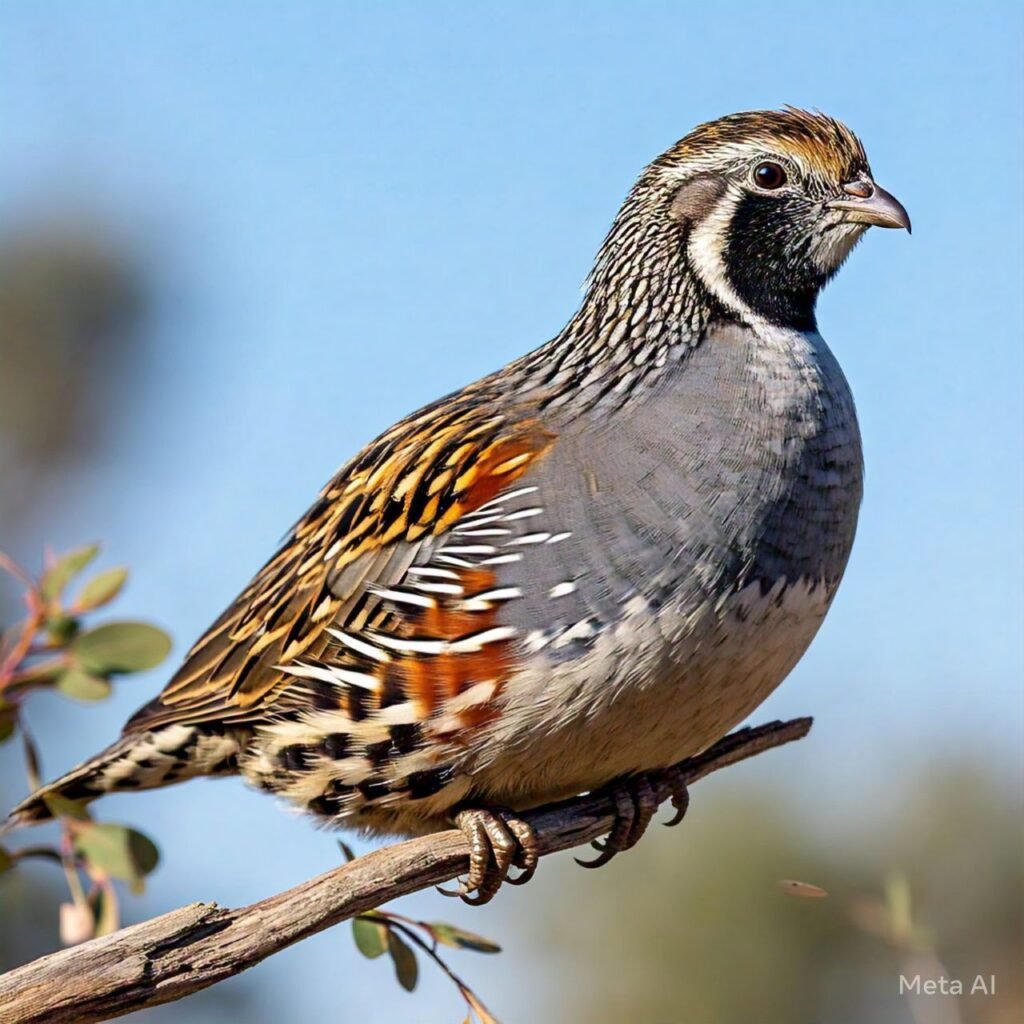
[{"x": 761, "y": 207}]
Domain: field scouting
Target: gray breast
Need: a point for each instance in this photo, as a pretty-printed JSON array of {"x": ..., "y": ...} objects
[{"x": 739, "y": 463}]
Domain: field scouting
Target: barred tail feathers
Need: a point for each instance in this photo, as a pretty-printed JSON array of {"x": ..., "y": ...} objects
[{"x": 146, "y": 760}]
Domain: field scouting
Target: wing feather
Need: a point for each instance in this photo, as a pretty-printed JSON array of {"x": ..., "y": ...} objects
[{"x": 406, "y": 488}]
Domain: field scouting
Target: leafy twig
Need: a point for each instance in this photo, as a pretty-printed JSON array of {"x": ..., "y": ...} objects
[
  {"x": 378, "y": 931},
  {"x": 52, "y": 649}
]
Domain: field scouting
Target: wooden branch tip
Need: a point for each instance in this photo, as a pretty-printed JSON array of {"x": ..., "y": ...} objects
[{"x": 193, "y": 947}]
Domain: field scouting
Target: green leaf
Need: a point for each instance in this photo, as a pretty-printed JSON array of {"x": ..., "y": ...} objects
[
  {"x": 105, "y": 911},
  {"x": 6, "y": 861},
  {"x": 62, "y": 807},
  {"x": 407, "y": 970},
  {"x": 8, "y": 726},
  {"x": 101, "y": 589},
  {"x": 31, "y": 760},
  {"x": 449, "y": 935},
  {"x": 371, "y": 937},
  {"x": 65, "y": 569},
  {"x": 61, "y": 629},
  {"x": 82, "y": 685},
  {"x": 119, "y": 851},
  {"x": 121, "y": 647},
  {"x": 144, "y": 850}
]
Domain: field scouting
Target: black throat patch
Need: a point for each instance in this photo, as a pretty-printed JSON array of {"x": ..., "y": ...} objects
[{"x": 768, "y": 262}]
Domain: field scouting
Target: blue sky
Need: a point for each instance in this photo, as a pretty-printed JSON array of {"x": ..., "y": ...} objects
[{"x": 350, "y": 209}]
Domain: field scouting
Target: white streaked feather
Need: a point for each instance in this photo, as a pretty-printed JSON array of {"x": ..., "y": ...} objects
[
  {"x": 468, "y": 523},
  {"x": 507, "y": 496},
  {"x": 477, "y": 641},
  {"x": 514, "y": 556},
  {"x": 529, "y": 538},
  {"x": 500, "y": 594},
  {"x": 453, "y": 589},
  {"x": 335, "y": 675},
  {"x": 359, "y": 646},
  {"x": 453, "y": 560},
  {"x": 404, "y": 597},
  {"x": 396, "y": 643},
  {"x": 525, "y": 513},
  {"x": 429, "y": 570}
]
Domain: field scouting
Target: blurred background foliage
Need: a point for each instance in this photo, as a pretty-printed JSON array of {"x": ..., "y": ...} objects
[
  {"x": 717, "y": 939},
  {"x": 73, "y": 308},
  {"x": 70, "y": 306},
  {"x": 236, "y": 243}
]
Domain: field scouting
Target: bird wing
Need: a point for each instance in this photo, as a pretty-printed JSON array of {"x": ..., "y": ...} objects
[{"x": 330, "y": 578}]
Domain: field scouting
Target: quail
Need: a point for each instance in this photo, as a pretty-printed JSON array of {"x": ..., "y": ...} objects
[{"x": 577, "y": 571}]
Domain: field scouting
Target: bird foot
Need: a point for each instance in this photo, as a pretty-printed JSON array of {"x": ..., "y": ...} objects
[
  {"x": 636, "y": 801},
  {"x": 498, "y": 840}
]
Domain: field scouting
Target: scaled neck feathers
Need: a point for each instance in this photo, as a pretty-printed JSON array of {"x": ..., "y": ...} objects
[{"x": 644, "y": 305}]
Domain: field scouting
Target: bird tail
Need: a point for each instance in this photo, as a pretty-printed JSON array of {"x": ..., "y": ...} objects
[{"x": 146, "y": 760}]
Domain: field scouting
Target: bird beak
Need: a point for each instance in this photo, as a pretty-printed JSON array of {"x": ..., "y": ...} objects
[{"x": 869, "y": 203}]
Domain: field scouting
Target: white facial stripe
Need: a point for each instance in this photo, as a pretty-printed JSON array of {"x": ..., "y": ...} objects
[
  {"x": 708, "y": 239},
  {"x": 735, "y": 158}
]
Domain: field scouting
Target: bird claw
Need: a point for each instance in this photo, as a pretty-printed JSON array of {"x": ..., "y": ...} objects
[
  {"x": 627, "y": 806},
  {"x": 680, "y": 796},
  {"x": 498, "y": 841},
  {"x": 636, "y": 802}
]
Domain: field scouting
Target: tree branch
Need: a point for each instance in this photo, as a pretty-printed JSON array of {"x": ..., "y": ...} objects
[{"x": 171, "y": 956}]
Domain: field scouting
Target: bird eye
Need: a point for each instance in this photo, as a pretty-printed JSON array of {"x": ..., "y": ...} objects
[{"x": 769, "y": 175}]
